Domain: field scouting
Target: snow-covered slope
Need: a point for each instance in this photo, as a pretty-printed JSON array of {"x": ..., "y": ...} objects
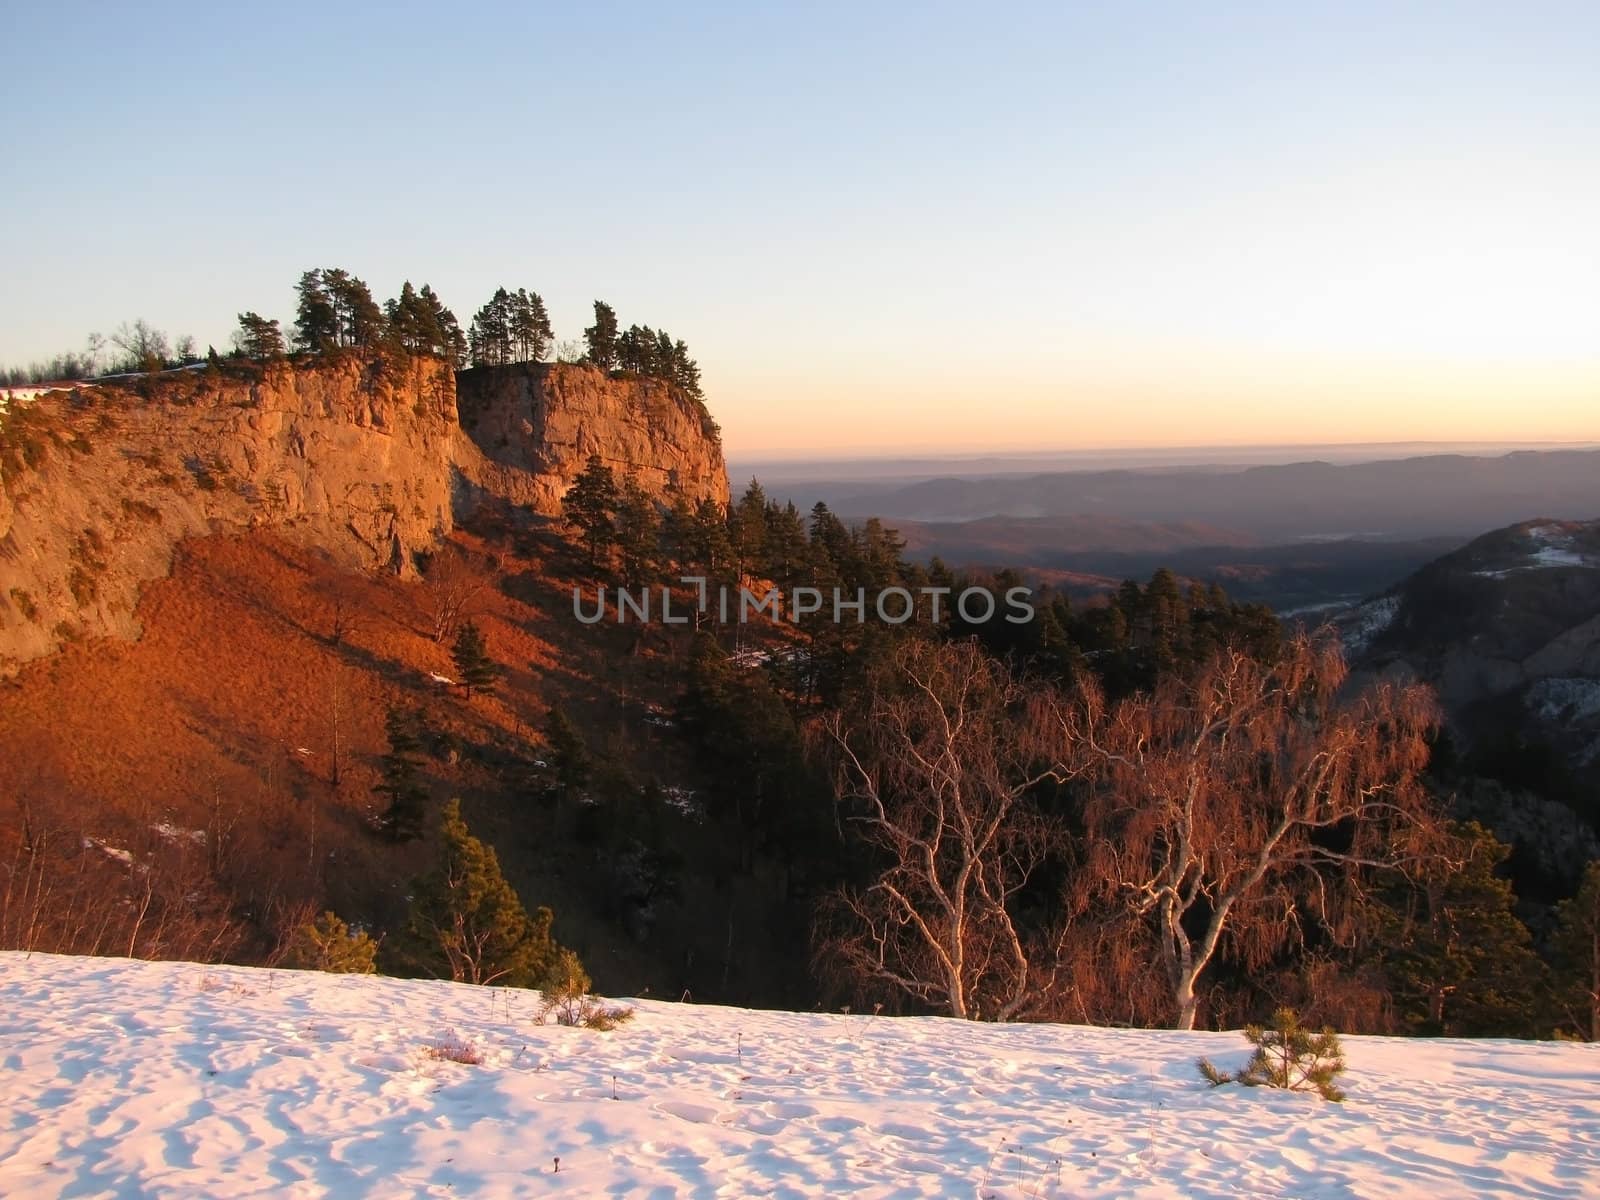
[{"x": 130, "y": 1079}]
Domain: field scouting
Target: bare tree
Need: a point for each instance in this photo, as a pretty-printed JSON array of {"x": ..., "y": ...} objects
[
  {"x": 1245, "y": 803},
  {"x": 937, "y": 775},
  {"x": 143, "y": 346},
  {"x": 451, "y": 585}
]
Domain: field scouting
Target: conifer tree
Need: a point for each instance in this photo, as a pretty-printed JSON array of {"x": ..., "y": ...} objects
[
  {"x": 678, "y": 530},
  {"x": 638, "y": 533},
  {"x": 258, "y": 337},
  {"x": 713, "y": 552},
  {"x": 529, "y": 327},
  {"x": 1577, "y": 947},
  {"x": 571, "y": 765},
  {"x": 337, "y": 309},
  {"x": 1460, "y": 962},
  {"x": 316, "y": 323},
  {"x": 786, "y": 548},
  {"x": 489, "y": 335},
  {"x": 420, "y": 324},
  {"x": 601, "y": 337},
  {"x": 748, "y": 531},
  {"x": 590, "y": 507},
  {"x": 476, "y": 669},
  {"x": 328, "y": 944},
  {"x": 466, "y": 921},
  {"x": 401, "y": 819},
  {"x": 1287, "y": 1055}
]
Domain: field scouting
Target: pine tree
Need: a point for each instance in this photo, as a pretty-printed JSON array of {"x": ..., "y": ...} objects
[
  {"x": 590, "y": 507},
  {"x": 1286, "y": 1056},
  {"x": 489, "y": 337},
  {"x": 786, "y": 547},
  {"x": 452, "y": 343},
  {"x": 529, "y": 327},
  {"x": 748, "y": 531},
  {"x": 1459, "y": 961},
  {"x": 571, "y": 765},
  {"x": 601, "y": 337},
  {"x": 364, "y": 324},
  {"x": 678, "y": 530},
  {"x": 420, "y": 324},
  {"x": 328, "y": 944},
  {"x": 401, "y": 819},
  {"x": 1577, "y": 946},
  {"x": 473, "y": 664},
  {"x": 466, "y": 921},
  {"x": 316, "y": 323},
  {"x": 258, "y": 337},
  {"x": 337, "y": 309},
  {"x": 712, "y": 550},
  {"x": 638, "y": 532}
]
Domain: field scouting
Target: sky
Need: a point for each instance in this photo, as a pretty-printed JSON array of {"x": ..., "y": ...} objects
[{"x": 880, "y": 228}]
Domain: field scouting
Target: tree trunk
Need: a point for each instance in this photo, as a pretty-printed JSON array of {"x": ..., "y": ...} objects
[{"x": 1188, "y": 1006}]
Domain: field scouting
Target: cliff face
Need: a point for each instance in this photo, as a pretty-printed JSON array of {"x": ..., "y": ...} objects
[
  {"x": 528, "y": 430},
  {"x": 365, "y": 461}
]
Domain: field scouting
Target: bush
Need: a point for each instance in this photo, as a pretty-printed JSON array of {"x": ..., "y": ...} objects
[
  {"x": 1286, "y": 1056},
  {"x": 567, "y": 1000},
  {"x": 328, "y": 944},
  {"x": 452, "y": 1047}
]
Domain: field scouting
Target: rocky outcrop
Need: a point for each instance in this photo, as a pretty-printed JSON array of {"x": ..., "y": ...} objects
[
  {"x": 365, "y": 458},
  {"x": 528, "y": 430}
]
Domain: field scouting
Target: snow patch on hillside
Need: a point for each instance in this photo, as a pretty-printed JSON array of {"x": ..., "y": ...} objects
[
  {"x": 1548, "y": 546},
  {"x": 1565, "y": 699},
  {"x": 126, "y": 1078},
  {"x": 1366, "y": 623}
]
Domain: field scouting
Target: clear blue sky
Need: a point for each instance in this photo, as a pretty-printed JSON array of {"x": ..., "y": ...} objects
[{"x": 912, "y": 227}]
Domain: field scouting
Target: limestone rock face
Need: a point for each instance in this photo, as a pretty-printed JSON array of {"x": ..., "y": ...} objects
[
  {"x": 528, "y": 430},
  {"x": 365, "y": 458}
]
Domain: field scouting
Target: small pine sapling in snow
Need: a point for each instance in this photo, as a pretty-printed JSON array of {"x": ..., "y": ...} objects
[
  {"x": 328, "y": 944},
  {"x": 567, "y": 1000},
  {"x": 1287, "y": 1055}
]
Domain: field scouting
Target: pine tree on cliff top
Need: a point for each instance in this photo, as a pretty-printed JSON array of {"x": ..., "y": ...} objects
[{"x": 601, "y": 337}]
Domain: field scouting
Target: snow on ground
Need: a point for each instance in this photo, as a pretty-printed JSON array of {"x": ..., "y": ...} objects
[
  {"x": 1358, "y": 630},
  {"x": 1550, "y": 546},
  {"x": 130, "y": 1079},
  {"x": 1569, "y": 699}
]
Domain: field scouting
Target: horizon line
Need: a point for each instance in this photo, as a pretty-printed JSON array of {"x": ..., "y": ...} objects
[{"x": 785, "y": 456}]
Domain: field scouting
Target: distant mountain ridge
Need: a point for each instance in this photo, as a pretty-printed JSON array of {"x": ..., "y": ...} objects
[{"x": 1425, "y": 496}]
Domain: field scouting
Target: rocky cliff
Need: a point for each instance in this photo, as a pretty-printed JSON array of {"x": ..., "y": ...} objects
[
  {"x": 530, "y": 428},
  {"x": 367, "y": 459}
]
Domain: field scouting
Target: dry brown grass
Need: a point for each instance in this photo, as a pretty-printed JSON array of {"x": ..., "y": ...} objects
[
  {"x": 262, "y": 665},
  {"x": 452, "y": 1047}
]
